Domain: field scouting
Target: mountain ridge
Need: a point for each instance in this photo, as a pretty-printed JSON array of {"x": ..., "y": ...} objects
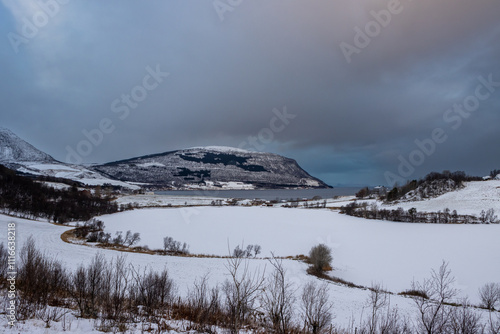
[
  {"x": 15, "y": 149},
  {"x": 196, "y": 167},
  {"x": 211, "y": 165}
]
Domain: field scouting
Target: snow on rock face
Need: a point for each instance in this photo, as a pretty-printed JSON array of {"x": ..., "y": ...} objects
[
  {"x": 220, "y": 149},
  {"x": 212, "y": 165},
  {"x": 497, "y": 177},
  {"x": 431, "y": 189},
  {"x": 14, "y": 149}
]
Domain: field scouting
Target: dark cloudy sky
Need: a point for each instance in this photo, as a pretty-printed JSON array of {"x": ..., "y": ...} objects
[{"x": 229, "y": 67}]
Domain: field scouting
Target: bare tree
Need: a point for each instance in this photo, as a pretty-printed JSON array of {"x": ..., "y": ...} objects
[
  {"x": 256, "y": 250},
  {"x": 378, "y": 300},
  {"x": 316, "y": 308},
  {"x": 490, "y": 295},
  {"x": 249, "y": 251},
  {"x": 131, "y": 238},
  {"x": 241, "y": 291},
  {"x": 278, "y": 298},
  {"x": 435, "y": 293}
]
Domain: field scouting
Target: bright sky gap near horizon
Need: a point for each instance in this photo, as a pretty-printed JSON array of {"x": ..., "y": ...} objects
[{"x": 230, "y": 69}]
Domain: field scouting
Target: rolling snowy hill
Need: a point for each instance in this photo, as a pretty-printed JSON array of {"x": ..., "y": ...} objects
[{"x": 474, "y": 197}]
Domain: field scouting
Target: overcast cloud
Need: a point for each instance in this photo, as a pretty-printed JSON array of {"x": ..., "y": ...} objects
[{"x": 353, "y": 121}]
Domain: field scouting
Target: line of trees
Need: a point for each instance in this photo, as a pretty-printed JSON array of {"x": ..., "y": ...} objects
[
  {"x": 26, "y": 198},
  {"x": 373, "y": 211}
]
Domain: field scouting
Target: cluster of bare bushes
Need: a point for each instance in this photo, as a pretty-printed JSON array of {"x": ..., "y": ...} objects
[
  {"x": 119, "y": 296},
  {"x": 93, "y": 231}
]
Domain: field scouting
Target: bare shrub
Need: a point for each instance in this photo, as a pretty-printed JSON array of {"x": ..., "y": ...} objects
[
  {"x": 153, "y": 291},
  {"x": 465, "y": 320},
  {"x": 316, "y": 308},
  {"x": 172, "y": 246},
  {"x": 204, "y": 304},
  {"x": 87, "y": 286},
  {"x": 40, "y": 279},
  {"x": 4, "y": 256},
  {"x": 320, "y": 257},
  {"x": 114, "y": 290}
]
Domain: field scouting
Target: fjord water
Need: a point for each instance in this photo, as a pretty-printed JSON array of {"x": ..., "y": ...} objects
[{"x": 280, "y": 194}]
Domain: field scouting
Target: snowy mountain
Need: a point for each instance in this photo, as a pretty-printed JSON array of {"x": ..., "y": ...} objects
[
  {"x": 212, "y": 166},
  {"x": 14, "y": 149},
  {"x": 17, "y": 154},
  {"x": 198, "y": 167}
]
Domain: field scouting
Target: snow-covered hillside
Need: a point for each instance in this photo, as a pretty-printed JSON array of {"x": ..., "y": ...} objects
[
  {"x": 212, "y": 166},
  {"x": 71, "y": 172},
  {"x": 471, "y": 199},
  {"x": 17, "y": 154},
  {"x": 14, "y": 149}
]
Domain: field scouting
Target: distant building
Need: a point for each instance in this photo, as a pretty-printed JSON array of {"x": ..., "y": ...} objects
[{"x": 379, "y": 190}]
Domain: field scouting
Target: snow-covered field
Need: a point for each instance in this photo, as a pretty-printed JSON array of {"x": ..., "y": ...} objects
[
  {"x": 364, "y": 251},
  {"x": 349, "y": 303},
  {"x": 476, "y": 196}
]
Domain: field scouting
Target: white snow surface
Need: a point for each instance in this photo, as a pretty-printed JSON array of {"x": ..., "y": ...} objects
[
  {"x": 364, "y": 251},
  {"x": 73, "y": 172},
  {"x": 151, "y": 164},
  {"x": 162, "y": 200},
  {"x": 472, "y": 199},
  {"x": 224, "y": 149},
  {"x": 349, "y": 303}
]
